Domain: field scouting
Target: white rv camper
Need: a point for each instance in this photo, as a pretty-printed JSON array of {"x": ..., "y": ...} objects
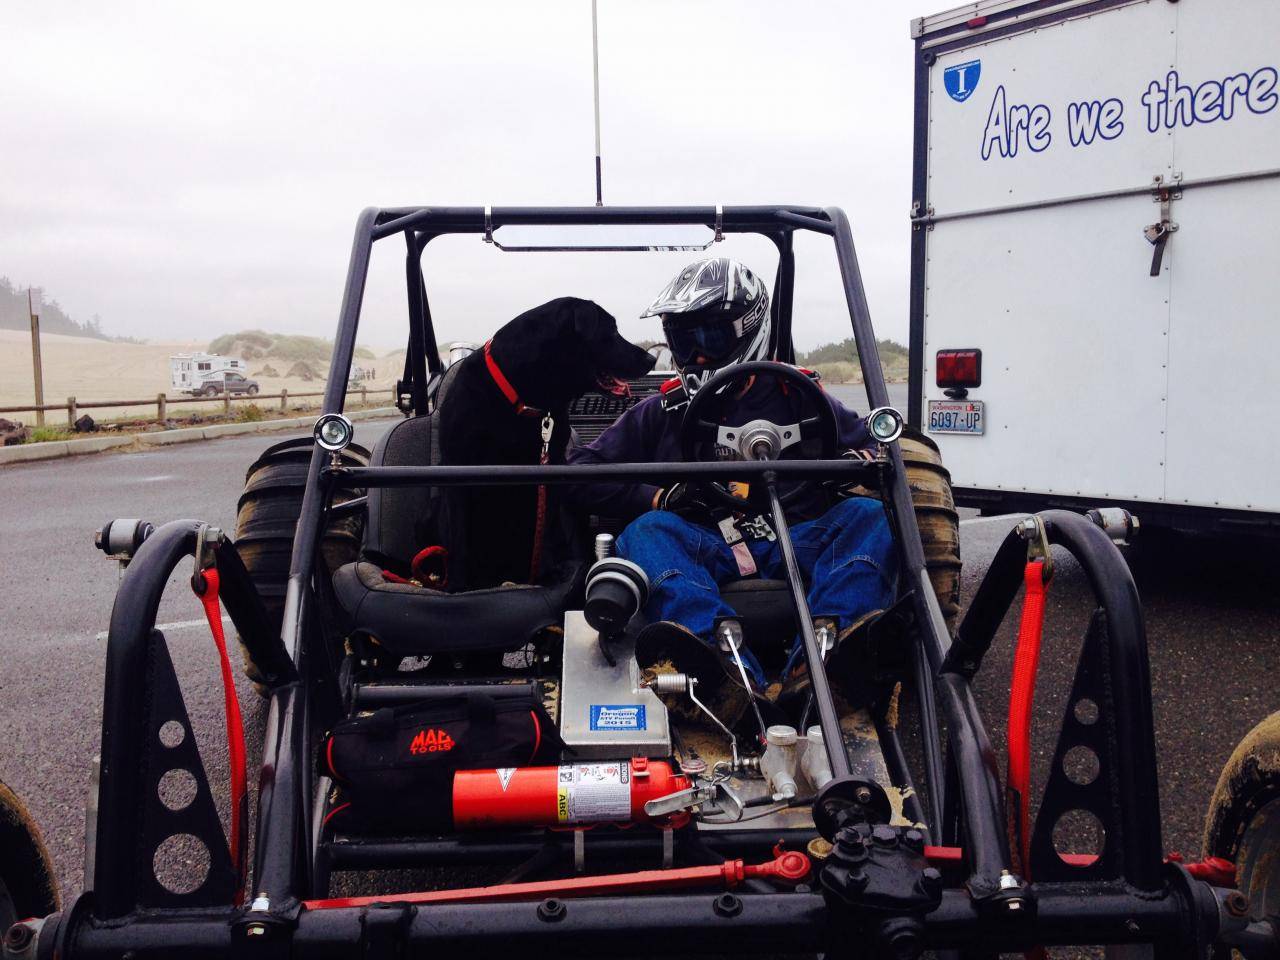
[
  {"x": 1095, "y": 269},
  {"x": 196, "y": 373}
]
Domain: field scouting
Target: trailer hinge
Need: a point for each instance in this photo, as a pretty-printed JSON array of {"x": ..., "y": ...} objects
[
  {"x": 1158, "y": 233},
  {"x": 920, "y": 215}
]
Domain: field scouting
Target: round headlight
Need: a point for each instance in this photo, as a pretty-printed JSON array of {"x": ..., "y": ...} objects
[
  {"x": 333, "y": 432},
  {"x": 885, "y": 424}
]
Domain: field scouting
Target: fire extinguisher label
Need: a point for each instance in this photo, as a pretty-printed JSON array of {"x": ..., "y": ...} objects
[{"x": 593, "y": 792}]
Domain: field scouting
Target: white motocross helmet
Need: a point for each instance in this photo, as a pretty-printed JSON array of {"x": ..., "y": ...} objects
[{"x": 715, "y": 313}]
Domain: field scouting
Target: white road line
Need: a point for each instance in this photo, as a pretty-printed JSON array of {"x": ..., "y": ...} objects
[{"x": 176, "y": 625}]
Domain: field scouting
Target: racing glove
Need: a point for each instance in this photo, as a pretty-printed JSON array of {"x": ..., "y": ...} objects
[
  {"x": 685, "y": 500},
  {"x": 843, "y": 489}
]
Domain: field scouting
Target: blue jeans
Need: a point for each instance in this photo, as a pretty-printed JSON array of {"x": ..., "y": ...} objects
[{"x": 846, "y": 555}]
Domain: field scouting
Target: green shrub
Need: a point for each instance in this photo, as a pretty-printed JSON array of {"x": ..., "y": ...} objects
[
  {"x": 259, "y": 338},
  {"x": 840, "y": 371},
  {"x": 46, "y": 434},
  {"x": 844, "y": 350},
  {"x": 292, "y": 346},
  {"x": 251, "y": 413}
]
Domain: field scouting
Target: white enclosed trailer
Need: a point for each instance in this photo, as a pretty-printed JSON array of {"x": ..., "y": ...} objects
[{"x": 1096, "y": 195}]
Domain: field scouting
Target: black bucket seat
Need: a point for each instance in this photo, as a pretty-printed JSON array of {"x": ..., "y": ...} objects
[{"x": 409, "y": 620}]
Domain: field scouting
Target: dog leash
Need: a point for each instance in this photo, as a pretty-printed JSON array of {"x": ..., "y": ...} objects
[
  {"x": 548, "y": 425},
  {"x": 540, "y": 517}
]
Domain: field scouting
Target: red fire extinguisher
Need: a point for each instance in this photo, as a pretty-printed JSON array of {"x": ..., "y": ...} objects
[{"x": 612, "y": 791}]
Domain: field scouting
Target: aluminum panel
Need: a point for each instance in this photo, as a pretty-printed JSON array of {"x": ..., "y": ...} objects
[
  {"x": 1074, "y": 338},
  {"x": 1223, "y": 364},
  {"x": 1051, "y": 112}
]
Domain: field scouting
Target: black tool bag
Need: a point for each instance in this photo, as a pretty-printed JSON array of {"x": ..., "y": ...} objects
[{"x": 394, "y": 767}]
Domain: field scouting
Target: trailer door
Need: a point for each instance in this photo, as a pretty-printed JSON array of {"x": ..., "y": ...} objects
[
  {"x": 1225, "y": 262},
  {"x": 1046, "y": 146}
]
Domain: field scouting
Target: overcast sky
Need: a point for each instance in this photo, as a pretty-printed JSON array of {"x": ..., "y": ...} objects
[{"x": 189, "y": 169}]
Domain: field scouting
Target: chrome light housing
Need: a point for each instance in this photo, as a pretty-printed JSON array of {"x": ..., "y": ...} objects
[
  {"x": 885, "y": 424},
  {"x": 333, "y": 432}
]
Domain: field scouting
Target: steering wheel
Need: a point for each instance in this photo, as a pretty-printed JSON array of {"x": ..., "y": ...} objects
[{"x": 758, "y": 439}]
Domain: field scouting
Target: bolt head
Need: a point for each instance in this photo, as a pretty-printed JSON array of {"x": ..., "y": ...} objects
[
  {"x": 1008, "y": 881},
  {"x": 1237, "y": 904},
  {"x": 17, "y": 937},
  {"x": 885, "y": 836},
  {"x": 862, "y": 795}
]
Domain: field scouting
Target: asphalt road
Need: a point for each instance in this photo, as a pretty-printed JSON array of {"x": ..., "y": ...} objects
[{"x": 1212, "y": 612}]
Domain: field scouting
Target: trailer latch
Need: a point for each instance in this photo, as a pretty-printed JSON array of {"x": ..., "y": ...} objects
[{"x": 1157, "y": 234}]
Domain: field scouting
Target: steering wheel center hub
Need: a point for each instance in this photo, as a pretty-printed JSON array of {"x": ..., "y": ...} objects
[{"x": 759, "y": 439}]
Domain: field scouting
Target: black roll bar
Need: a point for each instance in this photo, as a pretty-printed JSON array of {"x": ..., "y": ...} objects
[
  {"x": 283, "y": 867},
  {"x": 1183, "y": 918},
  {"x": 120, "y": 800},
  {"x": 1136, "y": 793},
  {"x": 848, "y": 470}
]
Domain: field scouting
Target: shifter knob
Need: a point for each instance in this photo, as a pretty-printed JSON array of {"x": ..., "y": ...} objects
[{"x": 616, "y": 591}]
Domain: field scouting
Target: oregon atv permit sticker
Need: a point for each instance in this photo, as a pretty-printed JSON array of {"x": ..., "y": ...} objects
[
  {"x": 961, "y": 80},
  {"x": 617, "y": 716},
  {"x": 593, "y": 792}
]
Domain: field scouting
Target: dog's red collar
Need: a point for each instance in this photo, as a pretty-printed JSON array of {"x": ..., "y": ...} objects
[{"x": 505, "y": 386}]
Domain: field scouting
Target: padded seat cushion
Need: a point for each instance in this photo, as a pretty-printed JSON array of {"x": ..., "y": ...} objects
[{"x": 408, "y": 620}]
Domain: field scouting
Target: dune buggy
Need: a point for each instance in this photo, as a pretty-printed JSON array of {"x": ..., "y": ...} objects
[{"x": 672, "y": 835}]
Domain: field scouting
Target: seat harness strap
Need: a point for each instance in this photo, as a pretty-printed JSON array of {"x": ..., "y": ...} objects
[
  {"x": 235, "y": 730},
  {"x": 1022, "y": 690}
]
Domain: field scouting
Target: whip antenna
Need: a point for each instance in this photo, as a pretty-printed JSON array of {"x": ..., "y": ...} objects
[{"x": 595, "y": 82}]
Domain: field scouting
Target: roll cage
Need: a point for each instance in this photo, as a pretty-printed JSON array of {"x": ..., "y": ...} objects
[{"x": 1127, "y": 894}]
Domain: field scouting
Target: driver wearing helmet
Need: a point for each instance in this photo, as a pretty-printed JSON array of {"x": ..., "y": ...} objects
[{"x": 715, "y": 313}]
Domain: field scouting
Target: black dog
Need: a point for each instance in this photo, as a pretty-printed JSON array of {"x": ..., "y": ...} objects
[{"x": 493, "y": 412}]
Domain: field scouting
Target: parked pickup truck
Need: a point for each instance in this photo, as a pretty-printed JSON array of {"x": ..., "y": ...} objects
[{"x": 230, "y": 383}]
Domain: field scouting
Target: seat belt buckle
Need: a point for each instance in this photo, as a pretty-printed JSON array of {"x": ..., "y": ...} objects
[{"x": 757, "y": 528}]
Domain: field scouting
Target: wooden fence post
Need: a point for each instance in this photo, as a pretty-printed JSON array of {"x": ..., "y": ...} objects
[
  {"x": 226, "y": 401},
  {"x": 71, "y": 412},
  {"x": 364, "y": 396},
  {"x": 162, "y": 407},
  {"x": 284, "y": 399}
]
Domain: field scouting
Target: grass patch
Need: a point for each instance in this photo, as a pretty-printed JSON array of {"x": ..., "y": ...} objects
[
  {"x": 251, "y": 413},
  {"x": 47, "y": 434}
]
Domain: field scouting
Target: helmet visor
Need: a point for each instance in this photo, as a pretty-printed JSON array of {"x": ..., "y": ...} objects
[{"x": 716, "y": 339}]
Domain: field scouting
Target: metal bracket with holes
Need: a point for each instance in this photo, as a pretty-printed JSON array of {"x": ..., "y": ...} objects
[{"x": 180, "y": 829}]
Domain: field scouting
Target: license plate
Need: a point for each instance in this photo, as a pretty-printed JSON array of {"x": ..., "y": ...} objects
[{"x": 957, "y": 416}]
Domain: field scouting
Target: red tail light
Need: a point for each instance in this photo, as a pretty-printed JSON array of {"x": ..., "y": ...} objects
[{"x": 959, "y": 368}]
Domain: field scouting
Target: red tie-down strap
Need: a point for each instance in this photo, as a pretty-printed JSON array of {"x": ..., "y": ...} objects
[
  {"x": 1026, "y": 662},
  {"x": 235, "y": 732}
]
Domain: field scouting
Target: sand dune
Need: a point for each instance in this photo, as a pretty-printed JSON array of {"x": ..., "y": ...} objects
[{"x": 99, "y": 370}]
